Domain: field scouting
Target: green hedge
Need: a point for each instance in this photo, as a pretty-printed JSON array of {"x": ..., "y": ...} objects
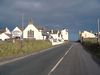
[{"x": 92, "y": 46}]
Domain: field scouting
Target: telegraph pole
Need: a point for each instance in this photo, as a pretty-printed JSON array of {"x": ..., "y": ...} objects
[
  {"x": 98, "y": 31},
  {"x": 22, "y": 25},
  {"x": 22, "y": 30}
]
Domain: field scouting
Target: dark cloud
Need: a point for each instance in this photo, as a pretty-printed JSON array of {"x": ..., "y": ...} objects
[{"x": 79, "y": 14}]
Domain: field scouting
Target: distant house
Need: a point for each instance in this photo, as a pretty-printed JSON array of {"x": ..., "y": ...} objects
[
  {"x": 58, "y": 37},
  {"x": 7, "y": 31},
  {"x": 97, "y": 35},
  {"x": 55, "y": 38},
  {"x": 4, "y": 37},
  {"x": 31, "y": 32},
  {"x": 64, "y": 34},
  {"x": 86, "y": 34},
  {"x": 5, "y": 34},
  {"x": 54, "y": 35},
  {"x": 45, "y": 35},
  {"x": 16, "y": 33}
]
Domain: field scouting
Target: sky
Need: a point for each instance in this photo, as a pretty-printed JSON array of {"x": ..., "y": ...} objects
[{"x": 52, "y": 14}]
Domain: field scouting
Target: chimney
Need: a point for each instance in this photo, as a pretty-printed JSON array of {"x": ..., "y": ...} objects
[
  {"x": 30, "y": 21},
  {"x": 52, "y": 31}
]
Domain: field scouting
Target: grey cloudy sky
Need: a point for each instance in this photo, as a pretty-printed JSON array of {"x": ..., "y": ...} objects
[{"x": 73, "y": 14}]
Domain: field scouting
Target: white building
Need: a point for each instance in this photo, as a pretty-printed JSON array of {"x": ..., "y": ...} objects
[
  {"x": 16, "y": 33},
  {"x": 32, "y": 32},
  {"x": 58, "y": 37},
  {"x": 7, "y": 31},
  {"x": 64, "y": 34},
  {"x": 53, "y": 35},
  {"x": 4, "y": 37},
  {"x": 87, "y": 34}
]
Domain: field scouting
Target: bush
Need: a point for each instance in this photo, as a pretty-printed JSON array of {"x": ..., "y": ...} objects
[{"x": 92, "y": 46}]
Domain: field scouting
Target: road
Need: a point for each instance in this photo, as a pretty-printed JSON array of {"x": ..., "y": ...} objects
[{"x": 67, "y": 59}]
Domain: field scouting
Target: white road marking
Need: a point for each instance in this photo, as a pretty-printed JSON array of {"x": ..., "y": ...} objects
[{"x": 60, "y": 60}]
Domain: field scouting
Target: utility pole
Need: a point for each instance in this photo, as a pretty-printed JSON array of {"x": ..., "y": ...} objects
[
  {"x": 22, "y": 25},
  {"x": 98, "y": 31},
  {"x": 22, "y": 30},
  {"x": 80, "y": 38}
]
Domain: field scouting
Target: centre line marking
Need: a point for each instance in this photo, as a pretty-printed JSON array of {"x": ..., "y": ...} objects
[{"x": 60, "y": 60}]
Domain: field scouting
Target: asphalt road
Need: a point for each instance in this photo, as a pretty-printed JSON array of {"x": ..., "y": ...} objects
[{"x": 67, "y": 59}]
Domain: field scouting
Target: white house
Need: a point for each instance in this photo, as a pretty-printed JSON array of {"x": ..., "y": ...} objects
[
  {"x": 86, "y": 34},
  {"x": 7, "y": 31},
  {"x": 16, "y": 33},
  {"x": 32, "y": 32},
  {"x": 64, "y": 34},
  {"x": 58, "y": 37},
  {"x": 4, "y": 37},
  {"x": 53, "y": 36}
]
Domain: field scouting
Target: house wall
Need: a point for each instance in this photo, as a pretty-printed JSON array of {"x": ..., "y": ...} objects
[
  {"x": 86, "y": 34},
  {"x": 54, "y": 37},
  {"x": 4, "y": 37},
  {"x": 64, "y": 34},
  {"x": 37, "y": 33},
  {"x": 7, "y": 31},
  {"x": 16, "y": 33}
]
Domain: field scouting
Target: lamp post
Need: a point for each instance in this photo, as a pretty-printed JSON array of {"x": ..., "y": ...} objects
[
  {"x": 22, "y": 25},
  {"x": 22, "y": 30},
  {"x": 80, "y": 36},
  {"x": 98, "y": 31}
]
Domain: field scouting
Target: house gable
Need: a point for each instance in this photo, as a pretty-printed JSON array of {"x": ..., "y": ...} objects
[
  {"x": 16, "y": 33},
  {"x": 4, "y": 37},
  {"x": 7, "y": 31},
  {"x": 32, "y": 32}
]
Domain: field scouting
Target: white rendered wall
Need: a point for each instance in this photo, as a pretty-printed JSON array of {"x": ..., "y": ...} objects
[
  {"x": 37, "y": 33},
  {"x": 64, "y": 34},
  {"x": 87, "y": 34}
]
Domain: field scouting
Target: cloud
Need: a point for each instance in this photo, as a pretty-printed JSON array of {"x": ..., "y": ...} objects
[{"x": 71, "y": 13}]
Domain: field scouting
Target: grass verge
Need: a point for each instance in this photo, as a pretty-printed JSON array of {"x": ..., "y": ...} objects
[
  {"x": 7, "y": 48},
  {"x": 92, "y": 46}
]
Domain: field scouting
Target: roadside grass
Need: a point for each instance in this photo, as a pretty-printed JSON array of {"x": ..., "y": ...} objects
[
  {"x": 7, "y": 48},
  {"x": 92, "y": 46}
]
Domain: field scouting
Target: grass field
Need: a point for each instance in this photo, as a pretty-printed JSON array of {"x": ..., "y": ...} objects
[
  {"x": 92, "y": 46},
  {"x": 7, "y": 48}
]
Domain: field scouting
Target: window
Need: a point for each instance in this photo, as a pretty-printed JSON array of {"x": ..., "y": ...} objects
[{"x": 31, "y": 34}]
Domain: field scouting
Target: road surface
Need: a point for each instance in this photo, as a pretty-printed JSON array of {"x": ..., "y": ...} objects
[{"x": 67, "y": 59}]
